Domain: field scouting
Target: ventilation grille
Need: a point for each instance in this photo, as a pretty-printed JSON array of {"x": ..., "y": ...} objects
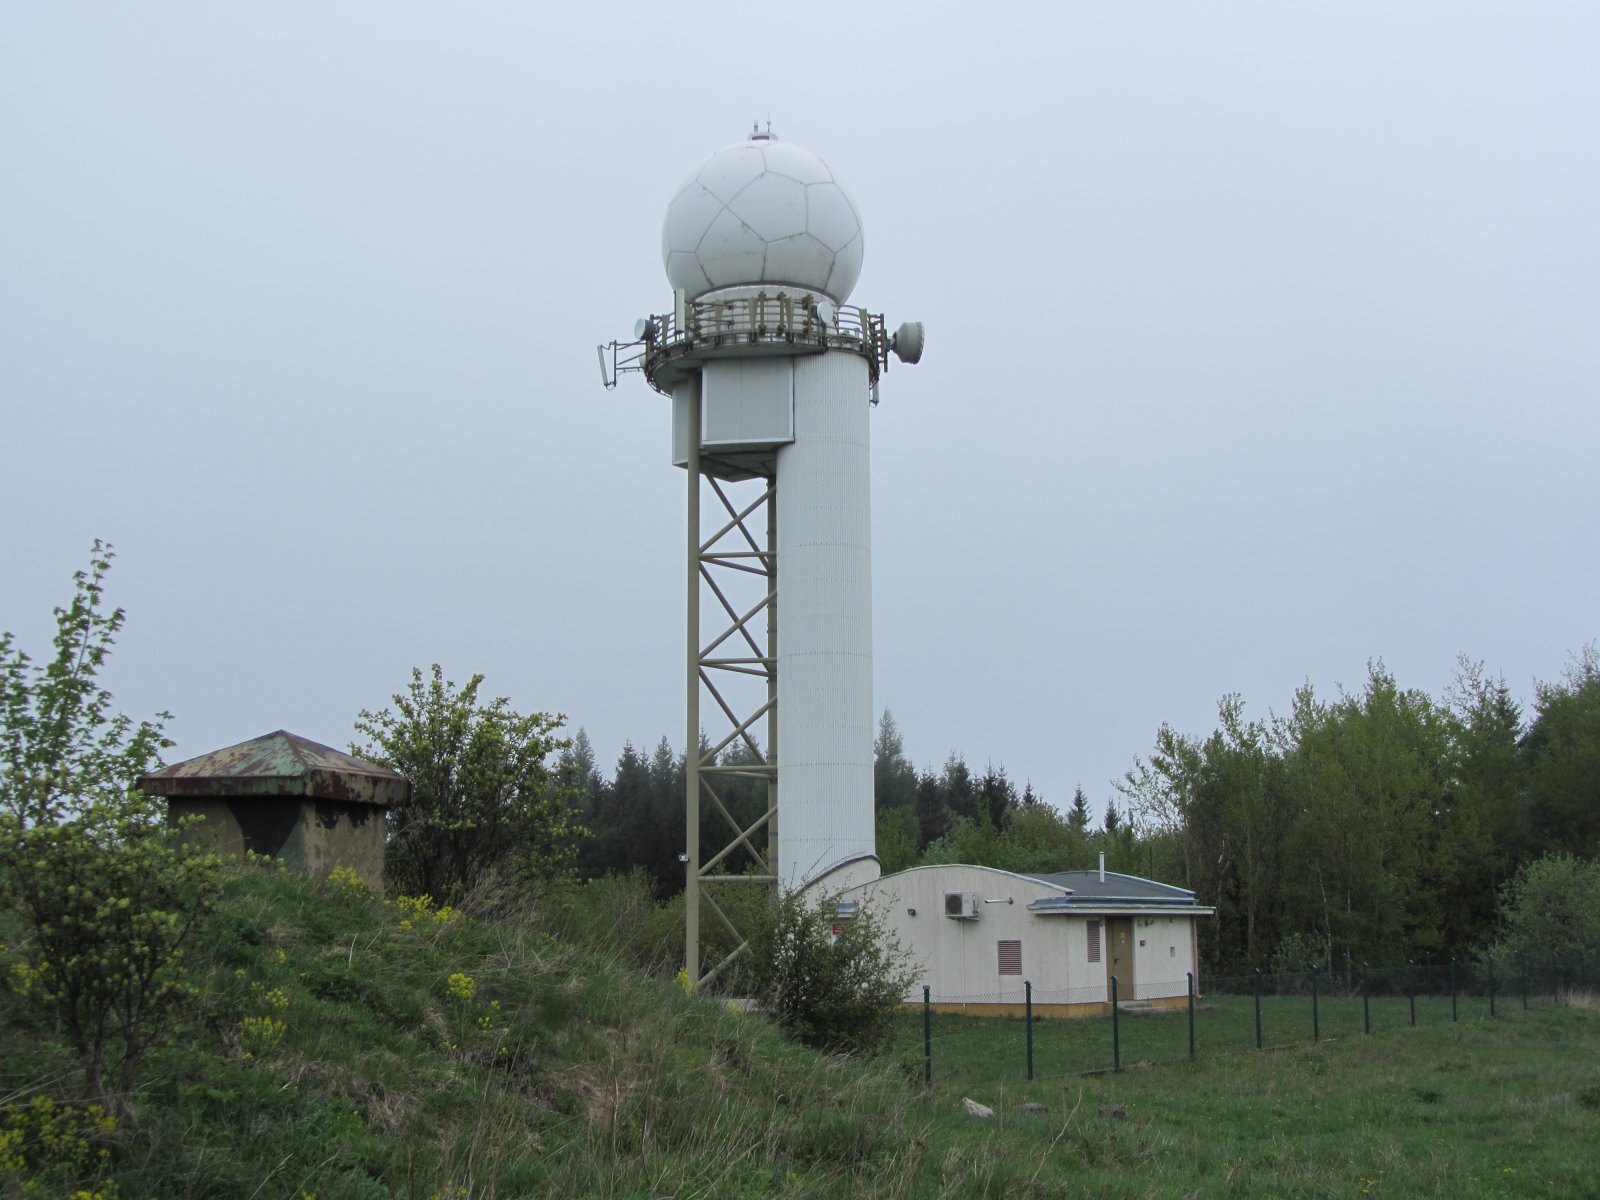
[
  {"x": 1010, "y": 958},
  {"x": 1094, "y": 941}
]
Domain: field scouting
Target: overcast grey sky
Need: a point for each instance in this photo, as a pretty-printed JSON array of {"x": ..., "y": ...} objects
[{"x": 1262, "y": 342}]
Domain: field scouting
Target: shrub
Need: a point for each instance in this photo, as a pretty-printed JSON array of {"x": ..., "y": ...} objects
[
  {"x": 1552, "y": 906},
  {"x": 1299, "y": 952},
  {"x": 831, "y": 991},
  {"x": 48, "y": 1147},
  {"x": 105, "y": 892},
  {"x": 482, "y": 795}
]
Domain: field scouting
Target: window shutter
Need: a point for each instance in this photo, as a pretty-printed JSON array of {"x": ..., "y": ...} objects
[
  {"x": 1094, "y": 941},
  {"x": 1011, "y": 958}
]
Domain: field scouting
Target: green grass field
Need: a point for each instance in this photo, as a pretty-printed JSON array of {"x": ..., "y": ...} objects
[
  {"x": 340, "y": 1049},
  {"x": 1508, "y": 1106}
]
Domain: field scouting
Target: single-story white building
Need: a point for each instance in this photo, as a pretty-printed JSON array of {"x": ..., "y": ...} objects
[{"x": 977, "y": 935}]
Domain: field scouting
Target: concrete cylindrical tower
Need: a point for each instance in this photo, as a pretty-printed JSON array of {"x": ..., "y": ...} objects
[
  {"x": 771, "y": 375},
  {"x": 825, "y": 633}
]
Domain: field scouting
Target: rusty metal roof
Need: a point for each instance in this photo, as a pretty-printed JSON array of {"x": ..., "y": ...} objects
[{"x": 280, "y": 764}]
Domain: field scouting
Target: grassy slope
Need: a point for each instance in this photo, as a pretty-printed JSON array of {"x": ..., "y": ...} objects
[{"x": 588, "y": 1080}]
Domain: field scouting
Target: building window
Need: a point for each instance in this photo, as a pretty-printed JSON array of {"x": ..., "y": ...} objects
[
  {"x": 1011, "y": 958},
  {"x": 1094, "y": 941}
]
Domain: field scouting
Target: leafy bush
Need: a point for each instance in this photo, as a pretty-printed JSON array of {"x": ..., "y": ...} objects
[
  {"x": 105, "y": 892},
  {"x": 482, "y": 795},
  {"x": 1552, "y": 906},
  {"x": 45, "y": 1145},
  {"x": 831, "y": 991},
  {"x": 1299, "y": 952}
]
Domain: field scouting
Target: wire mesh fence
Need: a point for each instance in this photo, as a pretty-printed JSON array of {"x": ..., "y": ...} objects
[{"x": 994, "y": 1036}]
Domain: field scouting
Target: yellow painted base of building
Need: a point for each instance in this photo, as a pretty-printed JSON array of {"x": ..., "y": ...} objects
[{"x": 1090, "y": 1008}]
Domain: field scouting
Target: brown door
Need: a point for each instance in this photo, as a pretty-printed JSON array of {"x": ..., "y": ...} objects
[{"x": 1119, "y": 956}]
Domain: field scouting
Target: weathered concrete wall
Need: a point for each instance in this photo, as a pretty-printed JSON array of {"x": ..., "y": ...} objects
[
  {"x": 309, "y": 836},
  {"x": 337, "y": 834}
]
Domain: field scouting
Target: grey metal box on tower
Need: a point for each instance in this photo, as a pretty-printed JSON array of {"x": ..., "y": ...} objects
[{"x": 772, "y": 376}]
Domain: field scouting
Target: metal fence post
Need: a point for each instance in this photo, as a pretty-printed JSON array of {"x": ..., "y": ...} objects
[
  {"x": 1490, "y": 962},
  {"x": 1027, "y": 985},
  {"x": 1452, "y": 989},
  {"x": 1366, "y": 1008},
  {"x": 1191, "y": 1016},
  {"x": 1116, "y": 1032},
  {"x": 1256, "y": 980},
  {"x": 1411, "y": 988},
  {"x": 927, "y": 1037},
  {"x": 1316, "y": 1025}
]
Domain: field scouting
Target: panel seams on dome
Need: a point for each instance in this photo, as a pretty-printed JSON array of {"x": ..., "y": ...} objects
[{"x": 756, "y": 222}]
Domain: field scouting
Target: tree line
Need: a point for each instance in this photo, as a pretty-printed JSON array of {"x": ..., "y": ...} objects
[
  {"x": 1382, "y": 825},
  {"x": 1379, "y": 825},
  {"x": 952, "y": 813}
]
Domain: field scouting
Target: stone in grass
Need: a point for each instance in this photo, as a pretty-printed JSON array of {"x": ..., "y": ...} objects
[
  {"x": 1113, "y": 1110},
  {"x": 1033, "y": 1106},
  {"x": 974, "y": 1109}
]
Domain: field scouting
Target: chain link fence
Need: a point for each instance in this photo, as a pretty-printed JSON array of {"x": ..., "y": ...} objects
[{"x": 989, "y": 1035}]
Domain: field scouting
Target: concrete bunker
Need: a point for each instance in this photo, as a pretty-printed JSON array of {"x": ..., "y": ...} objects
[{"x": 313, "y": 807}]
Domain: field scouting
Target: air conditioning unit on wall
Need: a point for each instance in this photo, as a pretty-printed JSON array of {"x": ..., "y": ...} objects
[{"x": 961, "y": 906}]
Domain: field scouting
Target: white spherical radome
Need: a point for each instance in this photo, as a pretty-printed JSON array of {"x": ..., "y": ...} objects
[{"x": 762, "y": 213}]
